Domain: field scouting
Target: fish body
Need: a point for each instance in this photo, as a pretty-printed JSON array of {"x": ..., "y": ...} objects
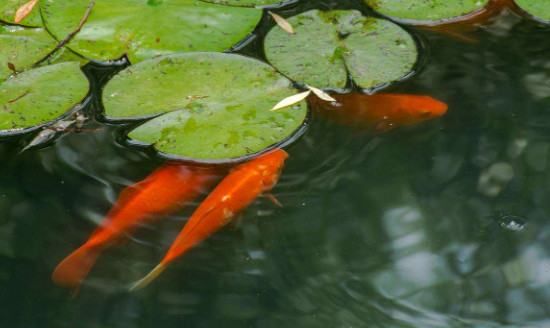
[
  {"x": 162, "y": 192},
  {"x": 380, "y": 112},
  {"x": 233, "y": 194},
  {"x": 460, "y": 28}
]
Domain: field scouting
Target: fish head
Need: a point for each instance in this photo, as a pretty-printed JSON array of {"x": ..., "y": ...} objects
[
  {"x": 414, "y": 109},
  {"x": 425, "y": 108},
  {"x": 384, "y": 112}
]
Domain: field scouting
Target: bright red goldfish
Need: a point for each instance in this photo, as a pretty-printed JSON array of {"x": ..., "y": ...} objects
[
  {"x": 162, "y": 192},
  {"x": 233, "y": 194},
  {"x": 380, "y": 112}
]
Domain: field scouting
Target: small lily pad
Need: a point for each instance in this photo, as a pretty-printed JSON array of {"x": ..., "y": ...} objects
[
  {"x": 217, "y": 105},
  {"x": 22, "y": 47},
  {"x": 8, "y": 8},
  {"x": 145, "y": 29},
  {"x": 39, "y": 96},
  {"x": 328, "y": 45},
  {"x": 426, "y": 12},
  {"x": 539, "y": 9}
]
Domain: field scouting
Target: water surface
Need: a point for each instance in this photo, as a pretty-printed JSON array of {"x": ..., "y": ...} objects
[{"x": 412, "y": 228}]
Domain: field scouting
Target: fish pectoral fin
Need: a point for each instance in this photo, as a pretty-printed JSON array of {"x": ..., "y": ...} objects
[{"x": 273, "y": 199}]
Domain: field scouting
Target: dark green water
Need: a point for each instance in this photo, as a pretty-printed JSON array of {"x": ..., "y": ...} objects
[{"x": 412, "y": 228}]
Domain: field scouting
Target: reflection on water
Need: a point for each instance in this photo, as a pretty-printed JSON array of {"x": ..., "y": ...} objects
[{"x": 444, "y": 224}]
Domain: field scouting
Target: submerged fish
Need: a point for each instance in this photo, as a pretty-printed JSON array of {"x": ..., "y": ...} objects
[
  {"x": 380, "y": 112},
  {"x": 162, "y": 192},
  {"x": 233, "y": 194},
  {"x": 461, "y": 27}
]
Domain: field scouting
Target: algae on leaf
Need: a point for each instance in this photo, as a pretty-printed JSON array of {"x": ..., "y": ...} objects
[
  {"x": 39, "y": 96},
  {"x": 426, "y": 12},
  {"x": 217, "y": 105},
  {"x": 143, "y": 29},
  {"x": 328, "y": 45}
]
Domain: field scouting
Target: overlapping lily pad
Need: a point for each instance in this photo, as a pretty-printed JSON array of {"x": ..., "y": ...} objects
[
  {"x": 38, "y": 96},
  {"x": 22, "y": 47},
  {"x": 217, "y": 105},
  {"x": 9, "y": 7},
  {"x": 539, "y": 9},
  {"x": 426, "y": 12},
  {"x": 144, "y": 29},
  {"x": 328, "y": 45}
]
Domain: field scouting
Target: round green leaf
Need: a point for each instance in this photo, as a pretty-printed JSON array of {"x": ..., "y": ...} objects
[
  {"x": 9, "y": 7},
  {"x": 145, "y": 29},
  {"x": 426, "y": 12},
  {"x": 38, "y": 96},
  {"x": 539, "y": 9},
  {"x": 246, "y": 3},
  {"x": 22, "y": 47},
  {"x": 218, "y": 105},
  {"x": 327, "y": 45}
]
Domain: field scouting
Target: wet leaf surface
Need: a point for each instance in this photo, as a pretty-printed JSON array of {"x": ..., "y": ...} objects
[
  {"x": 539, "y": 9},
  {"x": 41, "y": 95},
  {"x": 143, "y": 30},
  {"x": 22, "y": 48},
  {"x": 327, "y": 45},
  {"x": 217, "y": 105},
  {"x": 426, "y": 12}
]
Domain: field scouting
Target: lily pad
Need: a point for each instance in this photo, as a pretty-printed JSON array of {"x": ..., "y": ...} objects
[
  {"x": 217, "y": 105},
  {"x": 22, "y": 47},
  {"x": 39, "y": 96},
  {"x": 145, "y": 29},
  {"x": 328, "y": 45},
  {"x": 9, "y": 7},
  {"x": 247, "y": 3},
  {"x": 426, "y": 12},
  {"x": 539, "y": 9}
]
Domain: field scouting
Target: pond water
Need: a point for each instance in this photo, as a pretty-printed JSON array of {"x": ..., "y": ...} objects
[{"x": 445, "y": 224}]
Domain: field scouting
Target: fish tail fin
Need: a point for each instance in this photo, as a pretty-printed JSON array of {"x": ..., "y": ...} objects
[
  {"x": 74, "y": 268},
  {"x": 148, "y": 278}
]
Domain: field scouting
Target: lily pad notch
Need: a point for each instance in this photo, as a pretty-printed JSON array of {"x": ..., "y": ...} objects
[{"x": 327, "y": 47}]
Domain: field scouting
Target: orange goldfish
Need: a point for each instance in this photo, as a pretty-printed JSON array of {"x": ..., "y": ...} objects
[
  {"x": 233, "y": 194},
  {"x": 459, "y": 28},
  {"x": 380, "y": 112},
  {"x": 162, "y": 192}
]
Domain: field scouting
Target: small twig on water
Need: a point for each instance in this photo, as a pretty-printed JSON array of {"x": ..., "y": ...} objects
[
  {"x": 71, "y": 35},
  {"x": 18, "y": 97}
]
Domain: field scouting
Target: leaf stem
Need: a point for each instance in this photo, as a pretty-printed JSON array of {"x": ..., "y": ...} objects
[{"x": 71, "y": 35}]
